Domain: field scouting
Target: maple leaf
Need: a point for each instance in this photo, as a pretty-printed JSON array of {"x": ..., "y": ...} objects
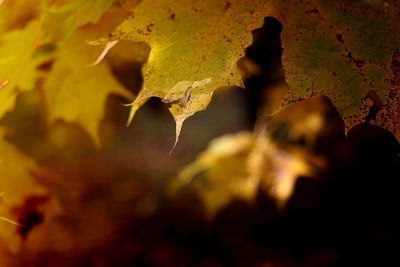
[
  {"x": 343, "y": 50},
  {"x": 330, "y": 47},
  {"x": 220, "y": 173},
  {"x": 75, "y": 90},
  {"x": 20, "y": 55},
  {"x": 235, "y": 166},
  {"x": 194, "y": 49},
  {"x": 61, "y": 18},
  {"x": 33, "y": 39}
]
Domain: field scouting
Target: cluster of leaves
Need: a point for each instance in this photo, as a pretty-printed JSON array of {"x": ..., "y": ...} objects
[
  {"x": 43, "y": 48},
  {"x": 55, "y": 50}
]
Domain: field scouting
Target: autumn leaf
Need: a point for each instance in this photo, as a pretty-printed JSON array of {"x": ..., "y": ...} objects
[
  {"x": 236, "y": 166},
  {"x": 20, "y": 55},
  {"x": 220, "y": 173},
  {"x": 35, "y": 43},
  {"x": 61, "y": 18},
  {"x": 330, "y": 47},
  {"x": 344, "y": 49},
  {"x": 194, "y": 49},
  {"x": 75, "y": 90}
]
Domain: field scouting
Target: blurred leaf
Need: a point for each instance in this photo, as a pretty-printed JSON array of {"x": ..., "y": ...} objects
[
  {"x": 277, "y": 168},
  {"x": 61, "y": 18},
  {"x": 220, "y": 173},
  {"x": 236, "y": 166},
  {"x": 15, "y": 14},
  {"x": 16, "y": 185},
  {"x": 26, "y": 58},
  {"x": 75, "y": 90},
  {"x": 20, "y": 55}
]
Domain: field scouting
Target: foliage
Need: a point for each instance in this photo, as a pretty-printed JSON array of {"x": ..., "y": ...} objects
[
  {"x": 329, "y": 47},
  {"x": 41, "y": 48},
  {"x": 63, "y": 55}
]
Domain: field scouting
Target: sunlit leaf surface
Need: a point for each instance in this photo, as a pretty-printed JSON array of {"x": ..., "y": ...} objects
[
  {"x": 77, "y": 189},
  {"x": 194, "y": 49},
  {"x": 329, "y": 47}
]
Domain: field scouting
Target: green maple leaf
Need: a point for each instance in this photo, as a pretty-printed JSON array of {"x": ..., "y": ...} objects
[
  {"x": 194, "y": 49},
  {"x": 342, "y": 49}
]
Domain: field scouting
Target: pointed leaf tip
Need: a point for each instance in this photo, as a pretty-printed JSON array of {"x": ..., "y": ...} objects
[
  {"x": 135, "y": 105},
  {"x": 179, "y": 123}
]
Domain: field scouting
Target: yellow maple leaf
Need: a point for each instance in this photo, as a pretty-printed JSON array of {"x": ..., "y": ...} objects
[
  {"x": 220, "y": 173},
  {"x": 194, "y": 49},
  {"x": 75, "y": 90},
  {"x": 20, "y": 55},
  {"x": 61, "y": 18},
  {"x": 330, "y": 47},
  {"x": 50, "y": 35}
]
